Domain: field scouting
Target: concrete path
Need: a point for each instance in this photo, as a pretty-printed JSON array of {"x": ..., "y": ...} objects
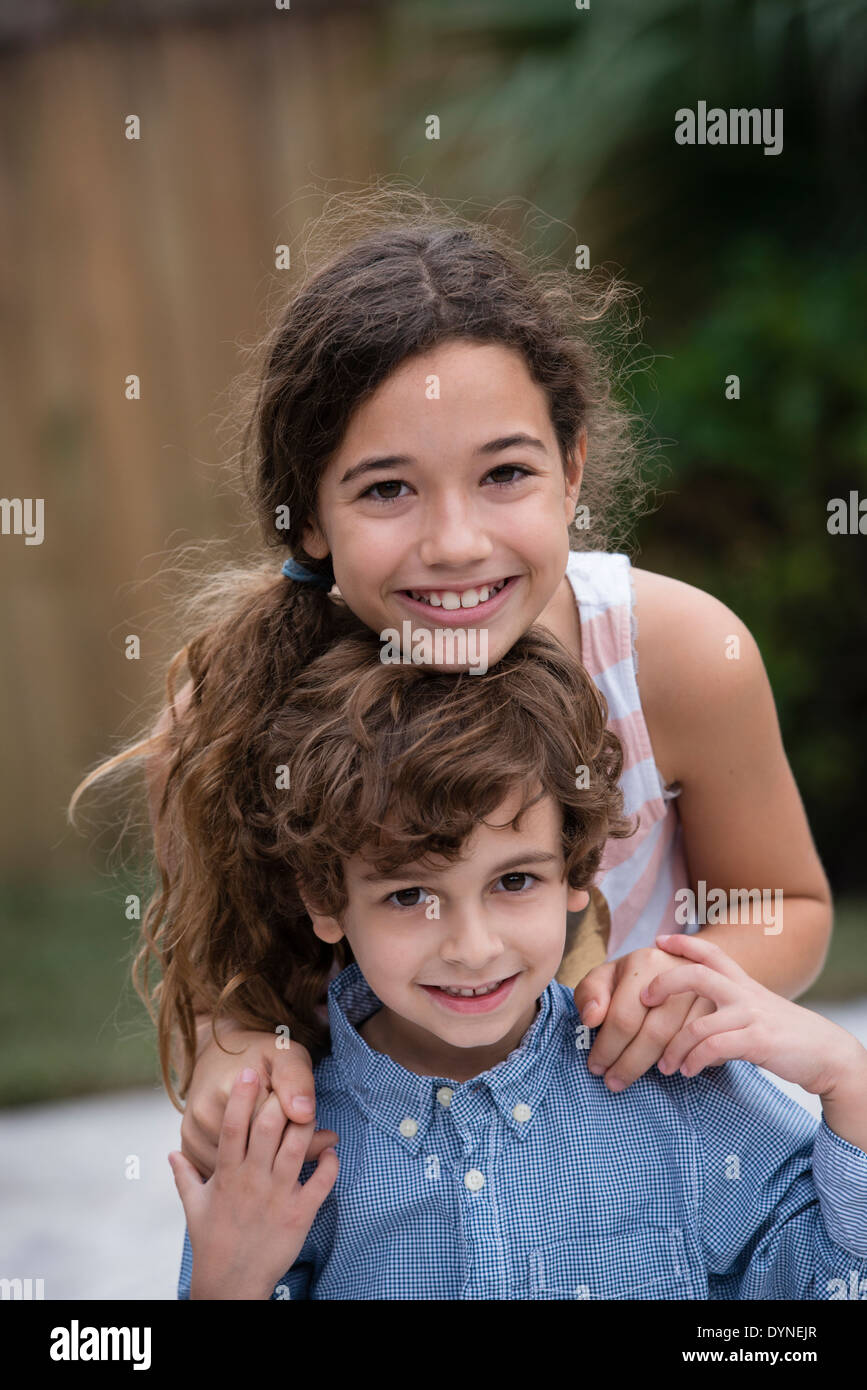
[{"x": 71, "y": 1216}]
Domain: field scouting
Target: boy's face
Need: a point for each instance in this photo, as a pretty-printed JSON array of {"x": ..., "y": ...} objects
[
  {"x": 496, "y": 915},
  {"x": 444, "y": 518}
]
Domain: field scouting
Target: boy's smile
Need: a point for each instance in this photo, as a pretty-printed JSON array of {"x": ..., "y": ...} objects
[
  {"x": 495, "y": 917},
  {"x": 451, "y": 509}
]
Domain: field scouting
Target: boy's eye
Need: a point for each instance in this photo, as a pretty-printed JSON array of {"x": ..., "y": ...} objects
[
  {"x": 517, "y": 882},
  {"x": 514, "y": 881},
  {"x": 405, "y": 897}
]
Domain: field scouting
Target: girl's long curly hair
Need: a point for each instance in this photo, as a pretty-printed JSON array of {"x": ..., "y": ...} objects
[{"x": 419, "y": 274}]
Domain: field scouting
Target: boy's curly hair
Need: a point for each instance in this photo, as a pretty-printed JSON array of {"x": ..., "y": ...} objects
[{"x": 397, "y": 763}]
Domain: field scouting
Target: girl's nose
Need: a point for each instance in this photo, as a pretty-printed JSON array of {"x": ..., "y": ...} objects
[{"x": 452, "y": 534}]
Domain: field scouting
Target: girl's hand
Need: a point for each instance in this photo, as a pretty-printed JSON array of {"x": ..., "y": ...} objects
[
  {"x": 633, "y": 1036},
  {"x": 249, "y": 1222},
  {"x": 288, "y": 1072},
  {"x": 748, "y": 1022}
]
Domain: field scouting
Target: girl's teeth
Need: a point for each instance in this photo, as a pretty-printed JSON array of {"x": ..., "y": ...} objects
[{"x": 448, "y": 599}]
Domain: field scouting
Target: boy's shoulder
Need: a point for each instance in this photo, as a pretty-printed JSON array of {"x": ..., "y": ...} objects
[
  {"x": 717, "y": 1098},
  {"x": 737, "y": 1091}
]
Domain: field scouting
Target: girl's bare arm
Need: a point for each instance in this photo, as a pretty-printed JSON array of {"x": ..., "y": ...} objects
[{"x": 714, "y": 728}]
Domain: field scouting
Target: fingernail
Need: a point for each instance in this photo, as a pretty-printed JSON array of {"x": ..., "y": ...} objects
[
  {"x": 303, "y": 1103},
  {"x": 249, "y": 1074},
  {"x": 330, "y": 1150},
  {"x": 595, "y": 1068},
  {"x": 615, "y": 1084}
]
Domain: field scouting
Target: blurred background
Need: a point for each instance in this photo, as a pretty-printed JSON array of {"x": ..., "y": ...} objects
[{"x": 155, "y": 256}]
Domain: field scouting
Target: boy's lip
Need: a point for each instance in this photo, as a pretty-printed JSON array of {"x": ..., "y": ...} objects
[
  {"x": 471, "y": 1003},
  {"x": 458, "y": 617},
  {"x": 468, "y": 984}
]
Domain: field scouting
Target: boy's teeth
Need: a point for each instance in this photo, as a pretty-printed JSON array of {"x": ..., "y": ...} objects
[
  {"x": 449, "y": 599},
  {"x": 466, "y": 993}
]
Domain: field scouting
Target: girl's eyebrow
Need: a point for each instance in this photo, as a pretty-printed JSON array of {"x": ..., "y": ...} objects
[{"x": 493, "y": 446}]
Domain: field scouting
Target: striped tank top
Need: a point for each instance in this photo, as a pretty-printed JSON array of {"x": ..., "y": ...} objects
[{"x": 637, "y": 877}]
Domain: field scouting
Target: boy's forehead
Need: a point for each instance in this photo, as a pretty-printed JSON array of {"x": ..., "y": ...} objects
[{"x": 495, "y": 838}]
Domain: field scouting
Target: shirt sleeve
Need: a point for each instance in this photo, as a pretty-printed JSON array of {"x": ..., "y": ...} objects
[
  {"x": 782, "y": 1199},
  {"x": 186, "y": 1274},
  {"x": 294, "y": 1284}
]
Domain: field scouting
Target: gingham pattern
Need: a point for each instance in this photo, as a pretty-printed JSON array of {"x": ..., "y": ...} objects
[{"x": 711, "y": 1187}]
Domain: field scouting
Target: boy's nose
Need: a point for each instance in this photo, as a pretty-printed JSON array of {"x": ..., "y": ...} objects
[{"x": 470, "y": 944}]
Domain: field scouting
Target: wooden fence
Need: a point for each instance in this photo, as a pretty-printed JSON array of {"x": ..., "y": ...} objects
[{"x": 148, "y": 257}]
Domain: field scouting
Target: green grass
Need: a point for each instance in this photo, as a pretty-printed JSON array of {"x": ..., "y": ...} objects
[
  {"x": 71, "y": 1023},
  {"x": 845, "y": 972}
]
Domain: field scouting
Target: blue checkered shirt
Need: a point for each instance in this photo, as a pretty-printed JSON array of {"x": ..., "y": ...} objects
[{"x": 534, "y": 1181}]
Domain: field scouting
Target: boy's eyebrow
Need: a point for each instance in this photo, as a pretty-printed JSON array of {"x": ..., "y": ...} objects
[
  {"x": 493, "y": 446},
  {"x": 533, "y": 856}
]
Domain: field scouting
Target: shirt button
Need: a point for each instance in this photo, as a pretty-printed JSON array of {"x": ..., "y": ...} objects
[
  {"x": 522, "y": 1112},
  {"x": 408, "y": 1127},
  {"x": 444, "y": 1095},
  {"x": 474, "y": 1179}
]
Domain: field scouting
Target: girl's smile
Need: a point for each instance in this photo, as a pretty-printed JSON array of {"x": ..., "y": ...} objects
[{"x": 460, "y": 605}]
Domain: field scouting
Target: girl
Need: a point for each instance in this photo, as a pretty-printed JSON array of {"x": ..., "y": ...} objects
[{"x": 433, "y": 428}]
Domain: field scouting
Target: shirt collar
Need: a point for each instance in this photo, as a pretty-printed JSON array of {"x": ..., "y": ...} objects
[{"x": 404, "y": 1104}]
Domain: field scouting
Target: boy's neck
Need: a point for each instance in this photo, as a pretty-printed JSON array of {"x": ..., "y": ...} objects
[{"x": 423, "y": 1053}]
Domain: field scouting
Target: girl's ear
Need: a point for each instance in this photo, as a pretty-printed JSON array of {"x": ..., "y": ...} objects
[
  {"x": 574, "y": 474},
  {"x": 314, "y": 541}
]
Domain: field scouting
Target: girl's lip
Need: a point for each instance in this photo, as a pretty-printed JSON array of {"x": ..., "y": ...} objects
[
  {"x": 471, "y": 1004},
  {"x": 460, "y": 617}
]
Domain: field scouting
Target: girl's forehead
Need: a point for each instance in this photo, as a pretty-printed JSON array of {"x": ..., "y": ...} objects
[{"x": 485, "y": 387}]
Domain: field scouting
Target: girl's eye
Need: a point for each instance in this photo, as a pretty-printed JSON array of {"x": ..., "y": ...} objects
[
  {"x": 509, "y": 468},
  {"x": 515, "y": 469},
  {"x": 386, "y": 482},
  {"x": 517, "y": 887},
  {"x": 404, "y": 893}
]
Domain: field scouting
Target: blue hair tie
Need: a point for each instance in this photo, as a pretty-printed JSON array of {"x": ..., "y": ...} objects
[{"x": 293, "y": 570}]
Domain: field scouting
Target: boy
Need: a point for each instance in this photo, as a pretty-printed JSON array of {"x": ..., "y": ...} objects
[{"x": 436, "y": 825}]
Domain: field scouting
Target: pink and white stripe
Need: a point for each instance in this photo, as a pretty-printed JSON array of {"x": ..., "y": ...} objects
[{"x": 637, "y": 877}]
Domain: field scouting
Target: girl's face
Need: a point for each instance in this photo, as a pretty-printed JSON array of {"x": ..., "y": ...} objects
[{"x": 447, "y": 504}]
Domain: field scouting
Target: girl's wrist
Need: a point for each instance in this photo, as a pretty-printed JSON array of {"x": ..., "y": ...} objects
[{"x": 850, "y": 1077}]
